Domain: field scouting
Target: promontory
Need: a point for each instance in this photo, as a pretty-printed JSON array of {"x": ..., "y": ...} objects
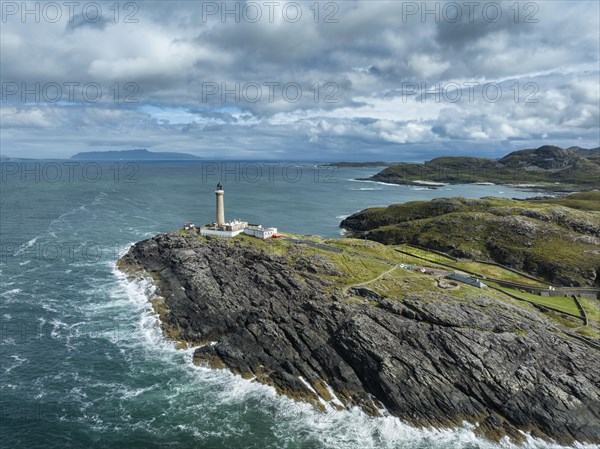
[{"x": 344, "y": 323}]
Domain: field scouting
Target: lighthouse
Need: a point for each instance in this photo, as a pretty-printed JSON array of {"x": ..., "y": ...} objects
[
  {"x": 222, "y": 228},
  {"x": 220, "y": 205}
]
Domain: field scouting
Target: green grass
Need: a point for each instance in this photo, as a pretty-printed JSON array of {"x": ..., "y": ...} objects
[
  {"x": 481, "y": 269},
  {"x": 563, "y": 304},
  {"x": 415, "y": 261},
  {"x": 589, "y": 201},
  {"x": 429, "y": 255},
  {"x": 592, "y": 309},
  {"x": 496, "y": 272},
  {"x": 363, "y": 261},
  {"x": 589, "y": 332}
]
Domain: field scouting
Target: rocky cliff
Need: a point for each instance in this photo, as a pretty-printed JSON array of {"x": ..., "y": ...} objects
[{"x": 430, "y": 358}]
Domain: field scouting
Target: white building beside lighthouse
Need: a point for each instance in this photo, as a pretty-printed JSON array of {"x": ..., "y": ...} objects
[{"x": 228, "y": 229}]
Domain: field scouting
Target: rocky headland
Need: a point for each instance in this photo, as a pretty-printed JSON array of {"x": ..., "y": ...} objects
[
  {"x": 292, "y": 315},
  {"x": 548, "y": 167}
]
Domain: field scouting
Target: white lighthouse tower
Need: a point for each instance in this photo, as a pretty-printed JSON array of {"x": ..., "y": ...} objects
[
  {"x": 222, "y": 228},
  {"x": 220, "y": 193}
]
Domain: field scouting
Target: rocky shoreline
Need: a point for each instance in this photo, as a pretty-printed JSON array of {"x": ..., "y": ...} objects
[{"x": 430, "y": 360}]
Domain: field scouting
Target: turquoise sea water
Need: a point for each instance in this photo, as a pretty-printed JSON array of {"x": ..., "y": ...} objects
[{"x": 82, "y": 360}]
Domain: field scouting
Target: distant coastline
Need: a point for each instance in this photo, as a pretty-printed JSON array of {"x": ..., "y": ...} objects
[
  {"x": 133, "y": 155},
  {"x": 360, "y": 164},
  {"x": 548, "y": 167}
]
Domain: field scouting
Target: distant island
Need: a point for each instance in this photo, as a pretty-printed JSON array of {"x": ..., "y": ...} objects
[
  {"x": 548, "y": 167},
  {"x": 133, "y": 155}
]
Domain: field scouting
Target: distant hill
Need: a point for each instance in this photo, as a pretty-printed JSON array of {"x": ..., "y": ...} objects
[
  {"x": 133, "y": 155},
  {"x": 549, "y": 166}
]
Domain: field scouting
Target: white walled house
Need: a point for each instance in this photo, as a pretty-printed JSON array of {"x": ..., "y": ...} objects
[
  {"x": 259, "y": 232},
  {"x": 219, "y": 233}
]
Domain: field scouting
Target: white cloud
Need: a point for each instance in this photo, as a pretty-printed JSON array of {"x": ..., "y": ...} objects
[
  {"x": 369, "y": 54},
  {"x": 23, "y": 118}
]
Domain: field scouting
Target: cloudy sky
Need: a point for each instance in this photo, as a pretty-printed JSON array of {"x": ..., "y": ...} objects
[{"x": 347, "y": 80}]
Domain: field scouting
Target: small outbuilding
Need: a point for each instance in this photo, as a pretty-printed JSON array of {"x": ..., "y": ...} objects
[{"x": 466, "y": 280}]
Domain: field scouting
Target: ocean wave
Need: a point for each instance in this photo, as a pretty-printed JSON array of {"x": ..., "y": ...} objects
[
  {"x": 12, "y": 292},
  {"x": 297, "y": 423},
  {"x": 17, "y": 361},
  {"x": 26, "y": 245}
]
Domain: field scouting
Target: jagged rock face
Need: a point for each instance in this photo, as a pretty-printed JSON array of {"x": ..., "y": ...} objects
[
  {"x": 546, "y": 158},
  {"x": 431, "y": 361}
]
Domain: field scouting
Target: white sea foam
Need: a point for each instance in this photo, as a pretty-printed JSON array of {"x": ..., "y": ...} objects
[
  {"x": 297, "y": 424},
  {"x": 387, "y": 184},
  {"x": 335, "y": 400},
  {"x": 12, "y": 292},
  {"x": 374, "y": 182},
  {"x": 48, "y": 307},
  {"x": 17, "y": 361}
]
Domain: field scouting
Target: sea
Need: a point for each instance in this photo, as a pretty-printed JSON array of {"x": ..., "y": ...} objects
[{"x": 83, "y": 362}]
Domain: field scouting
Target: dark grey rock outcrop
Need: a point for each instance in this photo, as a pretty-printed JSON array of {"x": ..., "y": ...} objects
[{"x": 432, "y": 361}]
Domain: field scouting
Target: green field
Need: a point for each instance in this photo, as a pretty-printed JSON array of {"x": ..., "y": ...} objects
[
  {"x": 429, "y": 255},
  {"x": 496, "y": 272},
  {"x": 592, "y": 309},
  {"x": 563, "y": 304},
  {"x": 477, "y": 268}
]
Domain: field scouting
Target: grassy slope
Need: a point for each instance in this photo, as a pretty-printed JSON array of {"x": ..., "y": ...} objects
[
  {"x": 495, "y": 272},
  {"x": 544, "y": 238},
  {"x": 588, "y": 201}
]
